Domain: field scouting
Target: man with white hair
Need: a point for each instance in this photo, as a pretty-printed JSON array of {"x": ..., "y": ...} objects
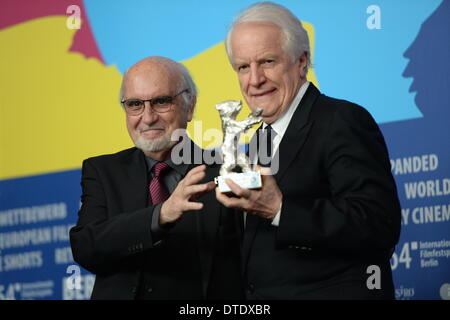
[
  {"x": 323, "y": 226},
  {"x": 149, "y": 227}
]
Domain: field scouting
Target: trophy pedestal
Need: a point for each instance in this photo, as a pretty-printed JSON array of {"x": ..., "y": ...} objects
[{"x": 246, "y": 180}]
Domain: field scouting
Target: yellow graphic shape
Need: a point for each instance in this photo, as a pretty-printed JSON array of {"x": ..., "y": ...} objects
[
  {"x": 56, "y": 107},
  {"x": 217, "y": 81}
]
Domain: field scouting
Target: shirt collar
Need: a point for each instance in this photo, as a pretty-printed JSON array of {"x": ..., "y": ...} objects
[
  {"x": 281, "y": 124},
  {"x": 180, "y": 168}
]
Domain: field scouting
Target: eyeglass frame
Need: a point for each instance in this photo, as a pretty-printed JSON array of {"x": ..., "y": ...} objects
[{"x": 151, "y": 101}]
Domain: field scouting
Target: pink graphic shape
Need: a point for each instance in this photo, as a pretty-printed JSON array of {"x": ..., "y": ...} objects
[{"x": 18, "y": 11}]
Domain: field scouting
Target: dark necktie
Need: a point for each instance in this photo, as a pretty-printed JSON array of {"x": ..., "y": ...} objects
[
  {"x": 157, "y": 189},
  {"x": 265, "y": 139}
]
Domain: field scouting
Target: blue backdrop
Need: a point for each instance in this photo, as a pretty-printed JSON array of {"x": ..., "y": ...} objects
[{"x": 394, "y": 61}]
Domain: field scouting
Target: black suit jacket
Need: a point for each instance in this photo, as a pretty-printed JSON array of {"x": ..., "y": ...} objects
[
  {"x": 340, "y": 212},
  {"x": 112, "y": 237}
]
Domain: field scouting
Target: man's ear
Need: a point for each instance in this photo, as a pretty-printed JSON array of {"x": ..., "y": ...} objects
[
  {"x": 190, "y": 111},
  {"x": 303, "y": 63}
]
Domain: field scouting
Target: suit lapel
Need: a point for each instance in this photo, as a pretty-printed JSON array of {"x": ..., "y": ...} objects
[
  {"x": 135, "y": 182},
  {"x": 296, "y": 132}
]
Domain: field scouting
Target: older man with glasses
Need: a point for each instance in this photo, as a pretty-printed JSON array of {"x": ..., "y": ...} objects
[{"x": 149, "y": 228}]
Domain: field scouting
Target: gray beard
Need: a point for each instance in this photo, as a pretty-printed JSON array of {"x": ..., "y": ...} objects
[{"x": 163, "y": 143}]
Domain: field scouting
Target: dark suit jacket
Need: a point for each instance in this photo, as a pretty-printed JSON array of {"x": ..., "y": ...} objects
[
  {"x": 340, "y": 212},
  {"x": 112, "y": 238}
]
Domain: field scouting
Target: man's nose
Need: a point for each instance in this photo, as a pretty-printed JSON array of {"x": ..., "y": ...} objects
[
  {"x": 149, "y": 115},
  {"x": 257, "y": 76}
]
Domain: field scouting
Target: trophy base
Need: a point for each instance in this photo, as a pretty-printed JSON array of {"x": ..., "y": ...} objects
[{"x": 246, "y": 180}]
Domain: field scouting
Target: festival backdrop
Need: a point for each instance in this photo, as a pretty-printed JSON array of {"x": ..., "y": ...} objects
[{"x": 61, "y": 65}]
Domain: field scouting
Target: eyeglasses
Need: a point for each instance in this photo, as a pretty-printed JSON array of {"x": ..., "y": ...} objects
[{"x": 135, "y": 107}]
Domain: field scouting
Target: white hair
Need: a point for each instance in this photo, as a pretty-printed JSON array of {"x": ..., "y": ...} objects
[
  {"x": 295, "y": 41},
  {"x": 188, "y": 84}
]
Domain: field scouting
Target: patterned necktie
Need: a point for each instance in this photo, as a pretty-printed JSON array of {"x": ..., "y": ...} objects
[{"x": 158, "y": 191}]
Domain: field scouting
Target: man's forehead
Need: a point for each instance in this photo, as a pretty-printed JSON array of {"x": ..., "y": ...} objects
[
  {"x": 148, "y": 71},
  {"x": 255, "y": 35},
  {"x": 150, "y": 80},
  {"x": 256, "y": 40}
]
